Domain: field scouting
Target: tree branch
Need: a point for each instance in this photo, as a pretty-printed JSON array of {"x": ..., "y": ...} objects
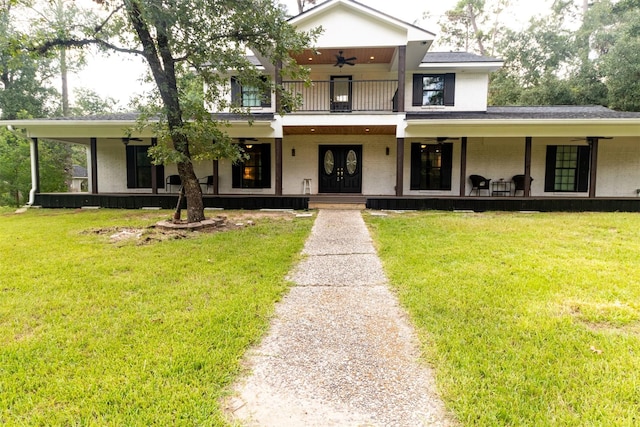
[{"x": 51, "y": 44}]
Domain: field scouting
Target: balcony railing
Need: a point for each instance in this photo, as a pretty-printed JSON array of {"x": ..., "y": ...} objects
[{"x": 345, "y": 96}]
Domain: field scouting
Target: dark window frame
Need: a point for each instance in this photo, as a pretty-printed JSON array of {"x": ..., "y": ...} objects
[
  {"x": 448, "y": 89},
  {"x": 255, "y": 172},
  {"x": 559, "y": 167},
  {"x": 139, "y": 168},
  {"x": 238, "y": 92},
  {"x": 423, "y": 173}
]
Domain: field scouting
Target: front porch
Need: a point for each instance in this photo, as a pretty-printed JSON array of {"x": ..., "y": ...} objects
[{"x": 302, "y": 202}]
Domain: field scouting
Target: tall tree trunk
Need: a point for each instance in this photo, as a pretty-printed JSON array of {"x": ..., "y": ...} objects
[
  {"x": 65, "y": 87},
  {"x": 63, "y": 64},
  {"x": 476, "y": 32},
  {"x": 158, "y": 54}
]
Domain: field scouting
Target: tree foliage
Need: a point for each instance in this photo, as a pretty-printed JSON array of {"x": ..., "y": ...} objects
[
  {"x": 579, "y": 53},
  {"x": 15, "y": 175},
  {"x": 187, "y": 43}
]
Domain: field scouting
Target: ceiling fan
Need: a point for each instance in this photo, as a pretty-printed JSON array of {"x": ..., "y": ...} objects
[{"x": 341, "y": 60}]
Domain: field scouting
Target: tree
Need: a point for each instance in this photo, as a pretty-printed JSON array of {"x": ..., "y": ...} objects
[
  {"x": 53, "y": 18},
  {"x": 474, "y": 25},
  {"x": 618, "y": 44},
  {"x": 187, "y": 43},
  {"x": 302, "y": 4},
  {"x": 15, "y": 177},
  {"x": 22, "y": 77}
]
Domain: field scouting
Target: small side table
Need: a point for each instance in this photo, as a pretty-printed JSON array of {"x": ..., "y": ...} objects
[{"x": 501, "y": 188}]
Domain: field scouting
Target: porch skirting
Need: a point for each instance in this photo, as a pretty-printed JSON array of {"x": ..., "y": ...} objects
[{"x": 477, "y": 204}]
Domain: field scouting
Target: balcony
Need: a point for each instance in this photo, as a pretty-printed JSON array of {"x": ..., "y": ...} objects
[{"x": 343, "y": 95}]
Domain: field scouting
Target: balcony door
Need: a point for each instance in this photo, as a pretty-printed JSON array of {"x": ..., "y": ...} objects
[
  {"x": 340, "y": 169},
  {"x": 340, "y": 94}
]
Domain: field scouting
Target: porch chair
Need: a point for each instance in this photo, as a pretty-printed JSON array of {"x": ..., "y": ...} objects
[
  {"x": 479, "y": 183},
  {"x": 172, "y": 180},
  {"x": 207, "y": 182},
  {"x": 518, "y": 183}
]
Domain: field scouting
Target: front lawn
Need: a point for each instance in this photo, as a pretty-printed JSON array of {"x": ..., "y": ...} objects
[
  {"x": 102, "y": 332},
  {"x": 528, "y": 319}
]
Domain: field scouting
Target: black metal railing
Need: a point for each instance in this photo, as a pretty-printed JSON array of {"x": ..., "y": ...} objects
[{"x": 343, "y": 96}]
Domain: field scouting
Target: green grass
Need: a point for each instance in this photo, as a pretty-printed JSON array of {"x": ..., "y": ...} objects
[
  {"x": 528, "y": 319},
  {"x": 97, "y": 333}
]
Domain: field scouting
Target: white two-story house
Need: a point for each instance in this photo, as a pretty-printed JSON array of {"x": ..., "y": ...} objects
[{"x": 386, "y": 122}]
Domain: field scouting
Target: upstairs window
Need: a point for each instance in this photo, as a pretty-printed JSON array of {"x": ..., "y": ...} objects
[
  {"x": 434, "y": 89},
  {"x": 431, "y": 166},
  {"x": 249, "y": 96},
  {"x": 567, "y": 168},
  {"x": 255, "y": 172}
]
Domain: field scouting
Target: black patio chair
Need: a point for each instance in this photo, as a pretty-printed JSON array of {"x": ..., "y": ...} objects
[
  {"x": 479, "y": 183},
  {"x": 518, "y": 183},
  {"x": 207, "y": 182},
  {"x": 172, "y": 180}
]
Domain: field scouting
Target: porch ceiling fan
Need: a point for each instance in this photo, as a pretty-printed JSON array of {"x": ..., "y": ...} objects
[{"x": 341, "y": 60}]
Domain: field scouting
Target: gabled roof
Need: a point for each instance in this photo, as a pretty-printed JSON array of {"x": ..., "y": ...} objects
[{"x": 329, "y": 3}]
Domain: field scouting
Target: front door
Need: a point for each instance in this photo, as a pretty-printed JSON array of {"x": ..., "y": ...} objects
[
  {"x": 340, "y": 169},
  {"x": 340, "y": 94}
]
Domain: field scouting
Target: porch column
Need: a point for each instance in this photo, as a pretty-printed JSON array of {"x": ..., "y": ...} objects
[
  {"x": 278, "y": 65},
  {"x": 94, "y": 166},
  {"x": 35, "y": 170},
  {"x": 154, "y": 171},
  {"x": 593, "y": 167},
  {"x": 216, "y": 182},
  {"x": 463, "y": 166},
  {"x": 399, "y": 166},
  {"x": 527, "y": 166},
  {"x": 278, "y": 166},
  {"x": 402, "y": 65}
]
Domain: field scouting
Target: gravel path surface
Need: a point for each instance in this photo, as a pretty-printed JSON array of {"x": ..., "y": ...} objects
[{"x": 340, "y": 351}]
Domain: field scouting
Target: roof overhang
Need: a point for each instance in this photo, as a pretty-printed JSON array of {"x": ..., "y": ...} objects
[
  {"x": 80, "y": 131},
  {"x": 523, "y": 128},
  {"x": 484, "y": 67}
]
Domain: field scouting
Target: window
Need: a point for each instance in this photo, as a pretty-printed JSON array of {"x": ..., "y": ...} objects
[
  {"x": 567, "y": 168},
  {"x": 431, "y": 166},
  {"x": 139, "y": 168},
  {"x": 434, "y": 89},
  {"x": 249, "y": 96},
  {"x": 255, "y": 172}
]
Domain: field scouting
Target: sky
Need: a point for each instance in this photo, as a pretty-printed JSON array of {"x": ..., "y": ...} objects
[{"x": 118, "y": 75}]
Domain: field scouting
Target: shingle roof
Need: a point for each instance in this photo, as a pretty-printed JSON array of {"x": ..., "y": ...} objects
[
  {"x": 528, "y": 113},
  {"x": 117, "y": 117},
  {"x": 460, "y": 57}
]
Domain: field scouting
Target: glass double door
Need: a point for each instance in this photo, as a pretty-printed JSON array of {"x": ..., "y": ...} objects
[{"x": 340, "y": 169}]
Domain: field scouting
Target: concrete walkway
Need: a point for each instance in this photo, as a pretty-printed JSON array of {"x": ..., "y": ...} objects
[{"x": 340, "y": 351}]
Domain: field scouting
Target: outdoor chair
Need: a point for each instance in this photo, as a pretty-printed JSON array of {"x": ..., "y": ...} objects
[
  {"x": 479, "y": 183},
  {"x": 172, "y": 180},
  {"x": 207, "y": 183},
  {"x": 518, "y": 183}
]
